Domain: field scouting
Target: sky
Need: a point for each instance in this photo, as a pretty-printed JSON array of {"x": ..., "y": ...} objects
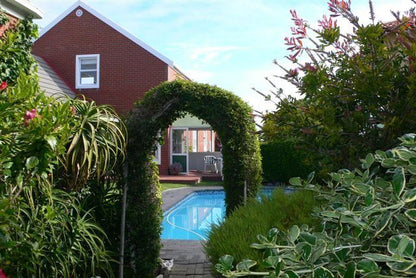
[{"x": 227, "y": 43}]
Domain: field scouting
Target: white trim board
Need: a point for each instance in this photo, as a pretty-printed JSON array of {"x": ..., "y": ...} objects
[{"x": 110, "y": 23}]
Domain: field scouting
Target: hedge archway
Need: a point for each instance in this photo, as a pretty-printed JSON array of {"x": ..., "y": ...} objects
[{"x": 227, "y": 114}]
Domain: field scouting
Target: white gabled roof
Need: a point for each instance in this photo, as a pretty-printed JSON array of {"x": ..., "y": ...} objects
[{"x": 111, "y": 24}]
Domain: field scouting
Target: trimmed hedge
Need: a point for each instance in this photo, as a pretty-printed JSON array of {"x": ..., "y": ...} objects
[
  {"x": 282, "y": 160},
  {"x": 241, "y": 228},
  {"x": 228, "y": 115}
]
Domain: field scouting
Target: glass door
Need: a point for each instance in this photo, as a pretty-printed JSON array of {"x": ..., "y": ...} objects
[{"x": 179, "y": 147}]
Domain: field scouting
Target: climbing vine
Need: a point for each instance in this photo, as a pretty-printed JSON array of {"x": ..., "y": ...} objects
[
  {"x": 15, "y": 48},
  {"x": 228, "y": 115}
]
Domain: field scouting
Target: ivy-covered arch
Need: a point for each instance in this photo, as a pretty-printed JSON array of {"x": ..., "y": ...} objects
[{"x": 227, "y": 114}]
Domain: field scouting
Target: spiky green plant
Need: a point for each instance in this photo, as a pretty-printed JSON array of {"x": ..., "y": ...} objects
[{"x": 97, "y": 144}]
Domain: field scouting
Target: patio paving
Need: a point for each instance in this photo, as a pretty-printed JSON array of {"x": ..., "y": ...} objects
[{"x": 188, "y": 257}]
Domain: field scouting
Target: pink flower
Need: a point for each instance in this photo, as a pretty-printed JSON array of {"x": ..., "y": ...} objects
[
  {"x": 327, "y": 23},
  {"x": 292, "y": 73},
  {"x": 337, "y": 7},
  {"x": 73, "y": 110},
  {"x": 309, "y": 67},
  {"x": 3, "y": 86},
  {"x": 2, "y": 274},
  {"x": 30, "y": 115}
]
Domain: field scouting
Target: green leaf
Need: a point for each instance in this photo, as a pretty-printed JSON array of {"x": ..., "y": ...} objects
[
  {"x": 51, "y": 141},
  {"x": 306, "y": 252},
  {"x": 351, "y": 270},
  {"x": 226, "y": 262},
  {"x": 32, "y": 162},
  {"x": 322, "y": 272},
  {"x": 367, "y": 266},
  {"x": 318, "y": 251},
  {"x": 412, "y": 169},
  {"x": 399, "y": 181},
  {"x": 411, "y": 214},
  {"x": 409, "y": 195},
  {"x": 272, "y": 261},
  {"x": 402, "y": 266},
  {"x": 379, "y": 257},
  {"x": 401, "y": 245},
  {"x": 404, "y": 153},
  {"x": 294, "y": 233},
  {"x": 245, "y": 265},
  {"x": 382, "y": 222},
  {"x": 309, "y": 238},
  {"x": 297, "y": 181},
  {"x": 368, "y": 161},
  {"x": 388, "y": 162}
]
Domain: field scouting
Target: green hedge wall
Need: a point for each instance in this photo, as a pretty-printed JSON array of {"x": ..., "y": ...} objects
[{"x": 282, "y": 160}]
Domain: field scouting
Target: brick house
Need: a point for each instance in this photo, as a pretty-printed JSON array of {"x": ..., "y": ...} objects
[{"x": 101, "y": 60}]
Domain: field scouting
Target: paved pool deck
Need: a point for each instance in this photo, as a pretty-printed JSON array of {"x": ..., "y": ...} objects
[{"x": 189, "y": 260}]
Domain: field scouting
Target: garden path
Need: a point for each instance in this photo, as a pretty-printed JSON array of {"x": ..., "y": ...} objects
[{"x": 189, "y": 260}]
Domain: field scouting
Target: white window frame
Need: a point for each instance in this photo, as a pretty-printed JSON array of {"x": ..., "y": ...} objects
[{"x": 78, "y": 84}]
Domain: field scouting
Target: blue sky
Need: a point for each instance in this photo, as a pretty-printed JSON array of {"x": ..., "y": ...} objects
[{"x": 228, "y": 43}]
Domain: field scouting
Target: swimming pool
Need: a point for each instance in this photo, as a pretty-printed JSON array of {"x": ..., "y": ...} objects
[{"x": 191, "y": 218}]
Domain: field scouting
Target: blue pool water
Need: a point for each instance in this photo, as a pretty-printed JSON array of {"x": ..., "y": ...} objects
[{"x": 191, "y": 219}]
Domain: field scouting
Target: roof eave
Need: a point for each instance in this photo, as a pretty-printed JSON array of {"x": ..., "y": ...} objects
[{"x": 27, "y": 8}]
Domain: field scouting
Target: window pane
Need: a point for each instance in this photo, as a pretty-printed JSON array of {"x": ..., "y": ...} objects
[
  {"x": 88, "y": 77},
  {"x": 88, "y": 63}
]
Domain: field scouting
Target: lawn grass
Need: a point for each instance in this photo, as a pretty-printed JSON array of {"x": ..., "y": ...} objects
[{"x": 179, "y": 185}]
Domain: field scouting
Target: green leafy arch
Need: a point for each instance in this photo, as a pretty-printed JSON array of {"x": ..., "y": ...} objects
[{"x": 228, "y": 115}]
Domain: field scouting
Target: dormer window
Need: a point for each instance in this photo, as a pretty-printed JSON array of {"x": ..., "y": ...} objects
[{"x": 87, "y": 71}]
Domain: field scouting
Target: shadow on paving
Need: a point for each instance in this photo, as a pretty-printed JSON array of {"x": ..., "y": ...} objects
[{"x": 188, "y": 257}]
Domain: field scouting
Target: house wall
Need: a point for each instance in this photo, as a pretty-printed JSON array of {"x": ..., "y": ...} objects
[
  {"x": 10, "y": 24},
  {"x": 127, "y": 70}
]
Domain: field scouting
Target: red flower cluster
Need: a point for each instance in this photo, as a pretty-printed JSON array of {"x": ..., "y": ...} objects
[
  {"x": 327, "y": 23},
  {"x": 3, "y": 85},
  {"x": 337, "y": 7},
  {"x": 30, "y": 115},
  {"x": 2, "y": 274},
  {"x": 292, "y": 73},
  {"x": 299, "y": 33}
]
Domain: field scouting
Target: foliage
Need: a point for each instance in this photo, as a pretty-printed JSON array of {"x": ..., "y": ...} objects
[
  {"x": 228, "y": 115},
  {"x": 97, "y": 143},
  {"x": 368, "y": 224},
  {"x": 233, "y": 236},
  {"x": 282, "y": 160},
  {"x": 357, "y": 88},
  {"x": 45, "y": 232},
  {"x": 15, "y": 48}
]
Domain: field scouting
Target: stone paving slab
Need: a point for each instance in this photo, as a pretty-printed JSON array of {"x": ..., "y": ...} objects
[{"x": 189, "y": 260}]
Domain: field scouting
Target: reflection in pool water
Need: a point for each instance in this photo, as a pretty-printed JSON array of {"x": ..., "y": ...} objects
[{"x": 191, "y": 219}]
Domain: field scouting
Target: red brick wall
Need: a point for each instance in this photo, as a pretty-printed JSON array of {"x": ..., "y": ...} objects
[
  {"x": 165, "y": 155},
  {"x": 127, "y": 71},
  {"x": 10, "y": 24}
]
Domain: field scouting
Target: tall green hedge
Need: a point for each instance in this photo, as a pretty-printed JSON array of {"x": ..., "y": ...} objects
[
  {"x": 283, "y": 160},
  {"x": 228, "y": 115}
]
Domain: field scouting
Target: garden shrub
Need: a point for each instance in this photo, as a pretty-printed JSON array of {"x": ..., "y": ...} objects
[
  {"x": 368, "y": 224},
  {"x": 281, "y": 160},
  {"x": 239, "y": 229},
  {"x": 355, "y": 82},
  {"x": 45, "y": 231}
]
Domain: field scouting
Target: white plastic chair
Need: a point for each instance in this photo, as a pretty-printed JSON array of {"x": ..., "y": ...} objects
[{"x": 210, "y": 161}]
